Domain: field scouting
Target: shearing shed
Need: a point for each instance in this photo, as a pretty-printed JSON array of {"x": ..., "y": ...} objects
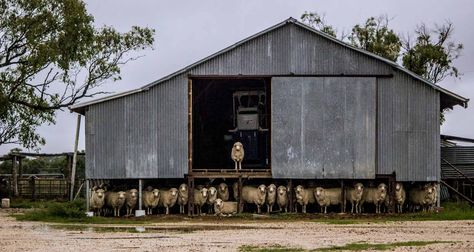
[{"x": 304, "y": 105}]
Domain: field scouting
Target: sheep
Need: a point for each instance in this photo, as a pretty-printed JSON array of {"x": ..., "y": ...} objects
[
  {"x": 253, "y": 195},
  {"x": 327, "y": 197},
  {"x": 400, "y": 197},
  {"x": 304, "y": 197},
  {"x": 282, "y": 198},
  {"x": 168, "y": 198},
  {"x": 97, "y": 200},
  {"x": 115, "y": 201},
  {"x": 151, "y": 200},
  {"x": 375, "y": 196},
  {"x": 421, "y": 197},
  {"x": 211, "y": 198},
  {"x": 434, "y": 196},
  {"x": 235, "y": 190},
  {"x": 183, "y": 195},
  {"x": 225, "y": 207},
  {"x": 237, "y": 155},
  {"x": 223, "y": 192},
  {"x": 131, "y": 199},
  {"x": 200, "y": 198},
  {"x": 354, "y": 195},
  {"x": 271, "y": 197}
]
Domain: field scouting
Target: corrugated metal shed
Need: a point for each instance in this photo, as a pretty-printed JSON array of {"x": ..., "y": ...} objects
[
  {"x": 143, "y": 133},
  {"x": 462, "y": 157}
]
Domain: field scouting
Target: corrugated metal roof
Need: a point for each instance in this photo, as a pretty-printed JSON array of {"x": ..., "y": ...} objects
[{"x": 460, "y": 100}]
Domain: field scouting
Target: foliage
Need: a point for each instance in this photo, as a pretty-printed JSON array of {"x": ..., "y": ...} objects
[
  {"x": 53, "y": 211},
  {"x": 375, "y": 36},
  {"x": 317, "y": 21},
  {"x": 52, "y": 56},
  {"x": 273, "y": 248},
  {"x": 432, "y": 54}
]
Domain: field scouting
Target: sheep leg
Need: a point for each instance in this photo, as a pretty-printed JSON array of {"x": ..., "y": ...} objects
[
  {"x": 352, "y": 207},
  {"x": 240, "y": 165},
  {"x": 303, "y": 209},
  {"x": 325, "y": 209},
  {"x": 236, "y": 168},
  {"x": 259, "y": 210}
]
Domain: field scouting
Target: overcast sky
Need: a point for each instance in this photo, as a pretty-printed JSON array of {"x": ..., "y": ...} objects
[{"x": 187, "y": 31}]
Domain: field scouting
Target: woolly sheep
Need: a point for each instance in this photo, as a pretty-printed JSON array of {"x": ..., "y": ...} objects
[
  {"x": 421, "y": 197},
  {"x": 151, "y": 200},
  {"x": 400, "y": 197},
  {"x": 200, "y": 198},
  {"x": 115, "y": 201},
  {"x": 225, "y": 207},
  {"x": 271, "y": 197},
  {"x": 327, "y": 197},
  {"x": 223, "y": 192},
  {"x": 131, "y": 200},
  {"x": 211, "y": 198},
  {"x": 254, "y": 195},
  {"x": 282, "y": 198},
  {"x": 168, "y": 198},
  {"x": 375, "y": 196},
  {"x": 304, "y": 197},
  {"x": 354, "y": 195},
  {"x": 97, "y": 200},
  {"x": 237, "y": 155},
  {"x": 183, "y": 195}
]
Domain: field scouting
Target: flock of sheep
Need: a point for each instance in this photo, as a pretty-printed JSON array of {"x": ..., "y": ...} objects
[{"x": 217, "y": 200}]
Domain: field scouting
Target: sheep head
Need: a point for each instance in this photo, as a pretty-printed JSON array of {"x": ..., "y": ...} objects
[
  {"x": 100, "y": 193},
  {"x": 222, "y": 187},
  {"x": 133, "y": 193},
  {"x": 174, "y": 192},
  {"x": 271, "y": 188},
  {"x": 156, "y": 193},
  {"x": 262, "y": 189},
  {"x": 212, "y": 191},
  {"x": 281, "y": 190},
  {"x": 382, "y": 188},
  {"x": 319, "y": 192},
  {"x": 238, "y": 146},
  {"x": 398, "y": 187},
  {"x": 359, "y": 188},
  {"x": 121, "y": 195},
  {"x": 204, "y": 192},
  {"x": 219, "y": 203}
]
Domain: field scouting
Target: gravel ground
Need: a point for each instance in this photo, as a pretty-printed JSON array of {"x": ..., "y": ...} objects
[{"x": 228, "y": 236}]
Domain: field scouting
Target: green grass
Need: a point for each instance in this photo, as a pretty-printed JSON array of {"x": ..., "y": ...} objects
[
  {"x": 74, "y": 212},
  {"x": 358, "y": 246},
  {"x": 274, "y": 248}
]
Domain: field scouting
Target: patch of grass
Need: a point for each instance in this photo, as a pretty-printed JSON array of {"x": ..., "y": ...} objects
[
  {"x": 28, "y": 203},
  {"x": 273, "y": 248},
  {"x": 357, "y": 246}
]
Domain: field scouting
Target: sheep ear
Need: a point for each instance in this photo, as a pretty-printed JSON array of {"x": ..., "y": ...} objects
[{"x": 94, "y": 188}]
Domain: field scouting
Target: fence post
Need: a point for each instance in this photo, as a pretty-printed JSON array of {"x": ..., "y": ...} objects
[
  {"x": 33, "y": 187},
  {"x": 15, "y": 176},
  {"x": 88, "y": 195}
]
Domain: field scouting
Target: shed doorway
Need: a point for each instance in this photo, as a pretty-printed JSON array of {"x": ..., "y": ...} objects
[{"x": 227, "y": 110}]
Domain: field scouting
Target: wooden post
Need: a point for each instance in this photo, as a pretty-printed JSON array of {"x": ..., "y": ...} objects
[
  {"x": 15, "y": 176},
  {"x": 33, "y": 187},
  {"x": 68, "y": 172},
  {"x": 240, "y": 203},
  {"x": 290, "y": 196},
  {"x": 140, "y": 194},
  {"x": 190, "y": 196},
  {"x": 343, "y": 197},
  {"x": 20, "y": 167},
  {"x": 74, "y": 158},
  {"x": 88, "y": 194}
]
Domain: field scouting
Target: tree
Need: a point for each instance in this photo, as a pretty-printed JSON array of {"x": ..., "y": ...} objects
[
  {"x": 318, "y": 22},
  {"x": 51, "y": 56},
  {"x": 433, "y": 53}
]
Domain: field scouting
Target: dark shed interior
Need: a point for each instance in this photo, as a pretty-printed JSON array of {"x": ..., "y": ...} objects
[{"x": 214, "y": 122}]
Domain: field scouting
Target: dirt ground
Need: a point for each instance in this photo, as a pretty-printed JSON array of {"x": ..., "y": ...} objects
[{"x": 216, "y": 235}]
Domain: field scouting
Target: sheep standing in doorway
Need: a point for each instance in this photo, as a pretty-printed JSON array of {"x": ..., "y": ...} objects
[{"x": 238, "y": 155}]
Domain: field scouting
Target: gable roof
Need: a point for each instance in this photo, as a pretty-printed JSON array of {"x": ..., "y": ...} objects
[{"x": 451, "y": 98}]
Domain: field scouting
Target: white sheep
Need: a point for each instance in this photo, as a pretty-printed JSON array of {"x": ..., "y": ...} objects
[
  {"x": 200, "y": 198},
  {"x": 304, "y": 197},
  {"x": 223, "y": 192},
  {"x": 97, "y": 200},
  {"x": 400, "y": 196},
  {"x": 421, "y": 197},
  {"x": 115, "y": 201},
  {"x": 282, "y": 198},
  {"x": 327, "y": 197},
  {"x": 168, "y": 198},
  {"x": 131, "y": 200},
  {"x": 271, "y": 197},
  {"x": 183, "y": 195},
  {"x": 237, "y": 155},
  {"x": 434, "y": 196},
  {"x": 151, "y": 200},
  {"x": 254, "y": 195},
  {"x": 225, "y": 207},
  {"x": 211, "y": 198},
  {"x": 354, "y": 195},
  {"x": 375, "y": 196}
]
